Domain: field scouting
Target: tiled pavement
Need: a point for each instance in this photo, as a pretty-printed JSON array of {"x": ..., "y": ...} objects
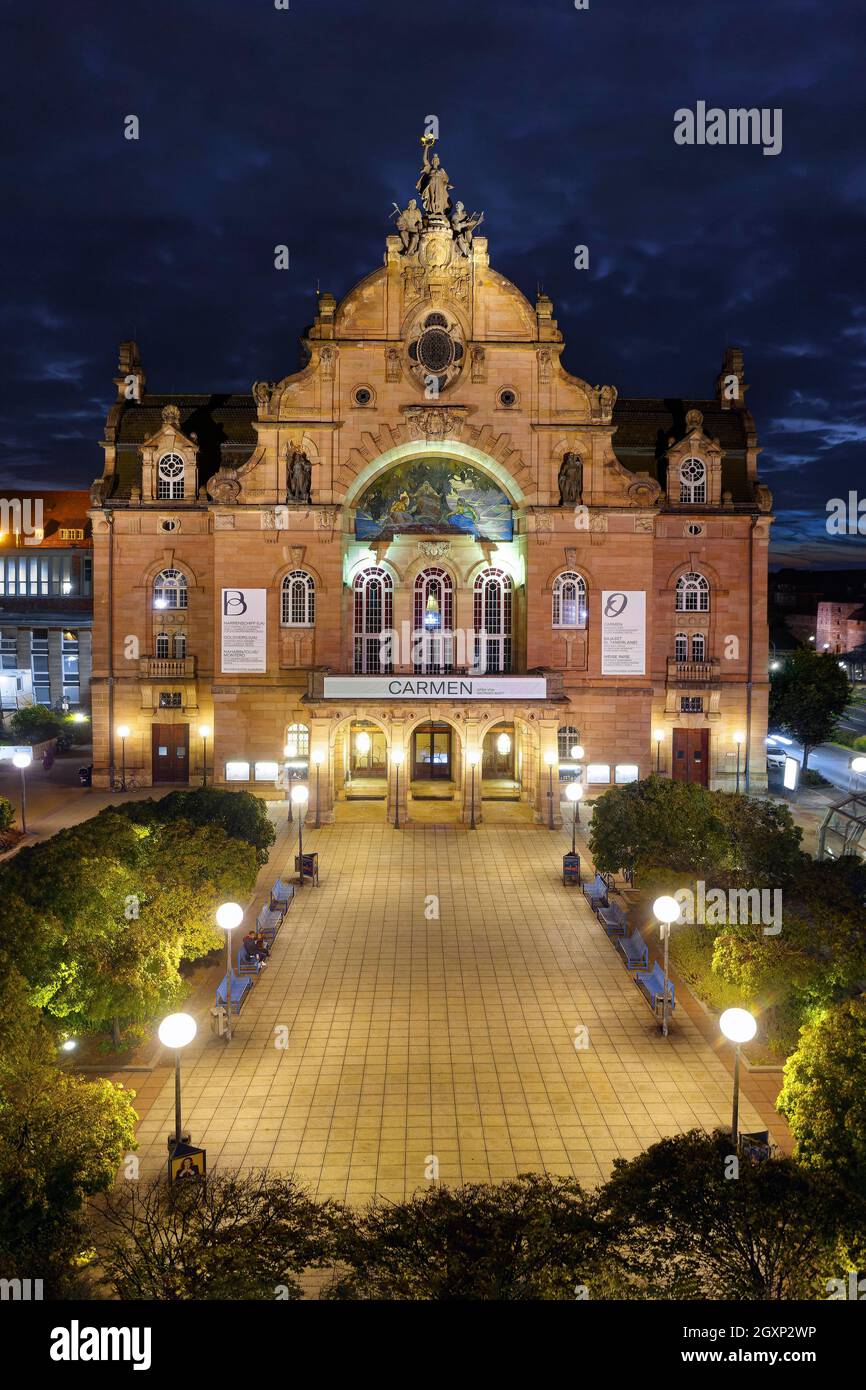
[{"x": 411, "y": 1035}]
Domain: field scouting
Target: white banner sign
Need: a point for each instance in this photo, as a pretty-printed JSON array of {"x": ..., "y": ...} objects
[
  {"x": 435, "y": 688},
  {"x": 623, "y": 632},
  {"x": 244, "y": 630}
]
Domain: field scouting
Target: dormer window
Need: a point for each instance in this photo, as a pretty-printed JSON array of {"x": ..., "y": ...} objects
[
  {"x": 693, "y": 481},
  {"x": 170, "y": 478}
]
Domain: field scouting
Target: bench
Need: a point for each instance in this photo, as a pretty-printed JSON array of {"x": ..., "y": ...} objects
[
  {"x": 596, "y": 891},
  {"x": 571, "y": 868},
  {"x": 613, "y": 919},
  {"x": 269, "y": 922},
  {"x": 281, "y": 896},
  {"x": 242, "y": 988},
  {"x": 756, "y": 1146},
  {"x": 633, "y": 950},
  {"x": 651, "y": 984},
  {"x": 311, "y": 867},
  {"x": 247, "y": 964}
]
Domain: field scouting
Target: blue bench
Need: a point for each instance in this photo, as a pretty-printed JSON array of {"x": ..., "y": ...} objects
[
  {"x": 281, "y": 896},
  {"x": 613, "y": 919},
  {"x": 651, "y": 984},
  {"x": 596, "y": 891},
  {"x": 269, "y": 922},
  {"x": 242, "y": 988},
  {"x": 247, "y": 964},
  {"x": 633, "y": 950}
]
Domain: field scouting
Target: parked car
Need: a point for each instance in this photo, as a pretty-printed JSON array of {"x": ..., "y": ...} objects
[{"x": 776, "y": 757}]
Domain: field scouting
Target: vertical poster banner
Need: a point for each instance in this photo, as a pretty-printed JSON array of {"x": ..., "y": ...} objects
[
  {"x": 623, "y": 632},
  {"x": 244, "y": 630}
]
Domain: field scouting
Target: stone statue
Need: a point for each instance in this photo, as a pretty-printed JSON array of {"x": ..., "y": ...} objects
[
  {"x": 299, "y": 473},
  {"x": 409, "y": 223},
  {"x": 463, "y": 226},
  {"x": 570, "y": 480},
  {"x": 433, "y": 186}
]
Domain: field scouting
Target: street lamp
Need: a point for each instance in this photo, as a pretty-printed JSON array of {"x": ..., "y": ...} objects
[
  {"x": 574, "y": 791},
  {"x": 229, "y": 916},
  {"x": 658, "y": 735},
  {"x": 123, "y": 735},
  {"x": 667, "y": 910},
  {"x": 363, "y": 744},
  {"x": 289, "y": 752},
  {"x": 204, "y": 734},
  {"x": 473, "y": 757},
  {"x": 175, "y": 1032},
  {"x": 551, "y": 758},
  {"x": 397, "y": 760},
  {"x": 300, "y": 796},
  {"x": 22, "y": 761},
  {"x": 738, "y": 1026},
  {"x": 858, "y": 766},
  {"x": 318, "y": 759},
  {"x": 739, "y": 740}
]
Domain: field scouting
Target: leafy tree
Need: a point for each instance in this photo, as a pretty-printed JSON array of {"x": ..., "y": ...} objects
[
  {"x": 823, "y": 1097},
  {"x": 808, "y": 693},
  {"x": 685, "y": 1228},
  {"x": 240, "y": 814},
  {"x": 533, "y": 1237},
  {"x": 61, "y": 1140},
  {"x": 230, "y": 1236},
  {"x": 7, "y": 813},
  {"x": 33, "y": 723}
]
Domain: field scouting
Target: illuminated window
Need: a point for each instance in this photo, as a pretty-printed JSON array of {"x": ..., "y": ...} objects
[
  {"x": 598, "y": 774},
  {"x": 237, "y": 772},
  {"x": 693, "y": 481},
  {"x": 433, "y": 633},
  {"x": 567, "y": 738},
  {"x": 170, "y": 477},
  {"x": 569, "y": 600},
  {"x": 298, "y": 600},
  {"x": 374, "y": 595},
  {"x": 170, "y": 590},
  {"x": 297, "y": 741},
  {"x": 693, "y": 594},
  {"x": 492, "y": 621},
  {"x": 626, "y": 772}
]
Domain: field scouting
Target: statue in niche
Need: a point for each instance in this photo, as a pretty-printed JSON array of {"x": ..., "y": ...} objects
[
  {"x": 299, "y": 474},
  {"x": 570, "y": 480}
]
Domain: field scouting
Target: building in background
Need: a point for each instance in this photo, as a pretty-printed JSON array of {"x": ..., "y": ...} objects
[
  {"x": 46, "y": 600},
  {"x": 431, "y": 550}
]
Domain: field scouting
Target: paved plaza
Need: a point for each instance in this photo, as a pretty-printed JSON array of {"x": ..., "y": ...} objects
[{"x": 429, "y": 994}]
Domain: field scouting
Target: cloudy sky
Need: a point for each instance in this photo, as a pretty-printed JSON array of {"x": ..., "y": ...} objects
[{"x": 262, "y": 126}]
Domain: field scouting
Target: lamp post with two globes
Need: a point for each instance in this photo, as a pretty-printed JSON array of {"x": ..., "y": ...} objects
[
  {"x": 229, "y": 916},
  {"x": 22, "y": 761},
  {"x": 176, "y": 1031},
  {"x": 666, "y": 909},
  {"x": 738, "y": 1026}
]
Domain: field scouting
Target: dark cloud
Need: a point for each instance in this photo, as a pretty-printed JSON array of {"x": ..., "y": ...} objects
[{"x": 261, "y": 126}]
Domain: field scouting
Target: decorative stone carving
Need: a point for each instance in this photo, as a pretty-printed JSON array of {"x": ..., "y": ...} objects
[
  {"x": 262, "y": 392},
  {"x": 645, "y": 491},
  {"x": 328, "y": 362},
  {"x": 434, "y": 550},
  {"x": 297, "y": 555},
  {"x": 602, "y": 400},
  {"x": 414, "y": 284},
  {"x": 463, "y": 224},
  {"x": 570, "y": 480},
  {"x": 171, "y": 416},
  {"x": 479, "y": 364},
  {"x": 223, "y": 521},
  {"x": 570, "y": 557},
  {"x": 224, "y": 487},
  {"x": 437, "y": 248},
  {"x": 545, "y": 359},
  {"x": 763, "y": 497},
  {"x": 644, "y": 525},
  {"x": 543, "y": 526},
  {"x": 432, "y": 422},
  {"x": 392, "y": 364},
  {"x": 97, "y": 492},
  {"x": 326, "y": 518},
  {"x": 433, "y": 184},
  {"x": 299, "y": 473},
  {"x": 694, "y": 420},
  {"x": 460, "y": 286},
  {"x": 409, "y": 224}
]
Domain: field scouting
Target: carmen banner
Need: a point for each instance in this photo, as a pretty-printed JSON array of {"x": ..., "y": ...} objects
[
  {"x": 244, "y": 630},
  {"x": 623, "y": 632},
  {"x": 435, "y": 687}
]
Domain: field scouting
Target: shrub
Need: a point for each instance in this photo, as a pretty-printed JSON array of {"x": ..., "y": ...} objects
[
  {"x": 7, "y": 813},
  {"x": 34, "y": 723},
  {"x": 240, "y": 814}
]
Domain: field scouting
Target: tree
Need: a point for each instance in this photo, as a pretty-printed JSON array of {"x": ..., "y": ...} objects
[
  {"x": 230, "y": 1236},
  {"x": 7, "y": 813},
  {"x": 823, "y": 1096},
  {"x": 240, "y": 814},
  {"x": 34, "y": 723},
  {"x": 533, "y": 1237},
  {"x": 687, "y": 1227},
  {"x": 808, "y": 693},
  {"x": 61, "y": 1141}
]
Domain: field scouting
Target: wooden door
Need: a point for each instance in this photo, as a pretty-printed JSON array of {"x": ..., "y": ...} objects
[
  {"x": 691, "y": 756},
  {"x": 170, "y": 752}
]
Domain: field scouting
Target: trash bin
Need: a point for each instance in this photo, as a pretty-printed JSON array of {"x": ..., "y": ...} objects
[
  {"x": 571, "y": 868},
  {"x": 218, "y": 1020}
]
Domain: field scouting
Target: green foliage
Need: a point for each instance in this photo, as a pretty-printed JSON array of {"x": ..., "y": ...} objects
[
  {"x": 7, "y": 813},
  {"x": 808, "y": 693},
  {"x": 533, "y": 1237},
  {"x": 824, "y": 1092},
  {"x": 240, "y": 814},
  {"x": 689, "y": 831},
  {"x": 230, "y": 1236},
  {"x": 34, "y": 723},
  {"x": 686, "y": 1228}
]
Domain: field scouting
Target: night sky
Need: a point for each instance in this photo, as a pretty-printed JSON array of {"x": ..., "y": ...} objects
[{"x": 261, "y": 126}]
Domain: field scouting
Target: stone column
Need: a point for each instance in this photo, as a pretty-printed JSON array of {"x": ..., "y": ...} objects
[
  {"x": 547, "y": 733},
  {"x": 399, "y": 740},
  {"x": 471, "y": 744},
  {"x": 321, "y": 781}
]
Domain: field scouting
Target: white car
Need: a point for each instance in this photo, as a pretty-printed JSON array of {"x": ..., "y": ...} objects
[{"x": 776, "y": 757}]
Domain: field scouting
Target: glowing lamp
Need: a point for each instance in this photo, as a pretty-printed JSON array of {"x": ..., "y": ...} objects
[
  {"x": 177, "y": 1030},
  {"x": 738, "y": 1025}
]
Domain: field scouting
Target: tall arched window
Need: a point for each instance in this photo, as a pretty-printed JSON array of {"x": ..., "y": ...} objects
[
  {"x": 298, "y": 600},
  {"x": 492, "y": 621},
  {"x": 169, "y": 477},
  {"x": 170, "y": 590},
  {"x": 433, "y": 631},
  {"x": 374, "y": 596},
  {"x": 162, "y": 645},
  {"x": 699, "y": 646},
  {"x": 693, "y": 594},
  {"x": 681, "y": 646},
  {"x": 693, "y": 481},
  {"x": 179, "y": 645},
  {"x": 569, "y": 600}
]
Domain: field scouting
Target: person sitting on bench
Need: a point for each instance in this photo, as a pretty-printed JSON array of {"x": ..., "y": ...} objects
[
  {"x": 252, "y": 947},
  {"x": 262, "y": 945}
]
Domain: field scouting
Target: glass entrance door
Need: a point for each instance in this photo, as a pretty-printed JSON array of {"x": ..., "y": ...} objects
[{"x": 431, "y": 758}]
